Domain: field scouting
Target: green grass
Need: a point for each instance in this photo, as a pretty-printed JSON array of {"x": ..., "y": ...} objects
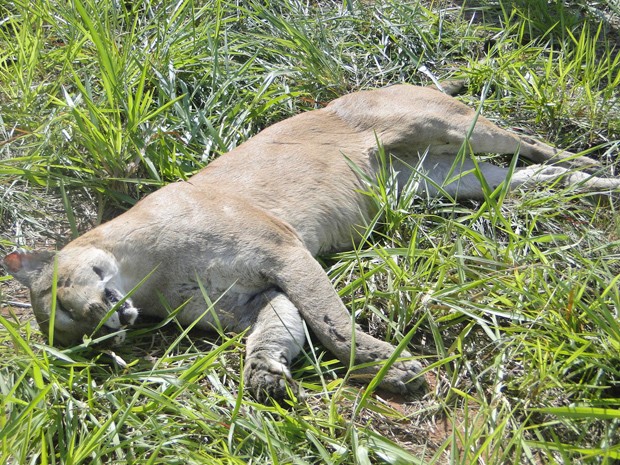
[{"x": 513, "y": 301}]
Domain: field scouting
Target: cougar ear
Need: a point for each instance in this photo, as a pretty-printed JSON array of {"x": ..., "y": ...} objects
[{"x": 27, "y": 266}]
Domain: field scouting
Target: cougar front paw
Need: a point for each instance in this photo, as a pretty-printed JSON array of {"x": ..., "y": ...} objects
[
  {"x": 268, "y": 378},
  {"x": 404, "y": 378}
]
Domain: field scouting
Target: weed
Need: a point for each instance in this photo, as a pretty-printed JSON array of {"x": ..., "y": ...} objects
[{"x": 511, "y": 303}]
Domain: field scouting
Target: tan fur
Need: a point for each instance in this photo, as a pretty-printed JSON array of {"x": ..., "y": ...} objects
[{"x": 247, "y": 227}]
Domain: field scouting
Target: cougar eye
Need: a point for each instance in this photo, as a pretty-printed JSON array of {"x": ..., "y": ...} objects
[
  {"x": 98, "y": 271},
  {"x": 63, "y": 309}
]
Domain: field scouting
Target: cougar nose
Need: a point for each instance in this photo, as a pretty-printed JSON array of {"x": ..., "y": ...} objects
[{"x": 127, "y": 315}]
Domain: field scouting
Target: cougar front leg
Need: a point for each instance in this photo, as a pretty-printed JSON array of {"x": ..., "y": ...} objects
[
  {"x": 276, "y": 339},
  {"x": 306, "y": 285}
]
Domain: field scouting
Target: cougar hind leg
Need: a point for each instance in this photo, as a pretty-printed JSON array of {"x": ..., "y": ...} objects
[
  {"x": 486, "y": 137},
  {"x": 276, "y": 338},
  {"x": 443, "y": 175},
  {"x": 489, "y": 138},
  {"x": 534, "y": 175}
]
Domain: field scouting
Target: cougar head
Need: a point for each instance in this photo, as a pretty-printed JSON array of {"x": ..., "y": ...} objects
[{"x": 87, "y": 288}]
